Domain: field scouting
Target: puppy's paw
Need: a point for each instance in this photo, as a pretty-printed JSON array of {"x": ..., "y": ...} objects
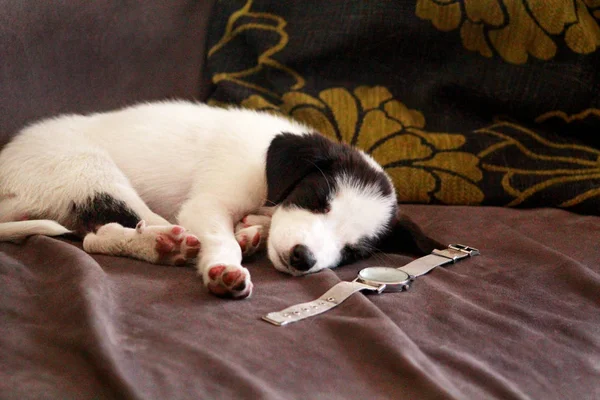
[
  {"x": 251, "y": 239},
  {"x": 251, "y": 233},
  {"x": 230, "y": 281},
  {"x": 173, "y": 245},
  {"x": 169, "y": 244}
]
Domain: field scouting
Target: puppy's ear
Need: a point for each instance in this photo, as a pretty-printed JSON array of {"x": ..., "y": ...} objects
[
  {"x": 290, "y": 158},
  {"x": 405, "y": 236}
]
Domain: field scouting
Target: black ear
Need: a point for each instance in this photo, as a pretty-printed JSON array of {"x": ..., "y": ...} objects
[
  {"x": 290, "y": 158},
  {"x": 405, "y": 236}
]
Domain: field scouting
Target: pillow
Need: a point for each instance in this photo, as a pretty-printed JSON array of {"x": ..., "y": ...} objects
[{"x": 463, "y": 102}]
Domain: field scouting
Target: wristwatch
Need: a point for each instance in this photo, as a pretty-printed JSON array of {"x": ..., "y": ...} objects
[{"x": 372, "y": 279}]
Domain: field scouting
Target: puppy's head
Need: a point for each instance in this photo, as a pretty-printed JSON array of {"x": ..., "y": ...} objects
[{"x": 335, "y": 203}]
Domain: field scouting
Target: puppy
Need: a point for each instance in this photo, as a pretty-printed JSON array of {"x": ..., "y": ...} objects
[{"x": 122, "y": 179}]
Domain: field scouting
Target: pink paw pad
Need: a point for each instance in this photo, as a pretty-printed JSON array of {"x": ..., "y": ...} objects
[
  {"x": 215, "y": 272},
  {"x": 164, "y": 244},
  {"x": 192, "y": 245},
  {"x": 173, "y": 245},
  {"x": 192, "y": 241},
  {"x": 250, "y": 239},
  {"x": 232, "y": 281},
  {"x": 231, "y": 277}
]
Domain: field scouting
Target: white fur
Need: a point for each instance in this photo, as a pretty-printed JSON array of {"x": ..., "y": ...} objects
[
  {"x": 354, "y": 211},
  {"x": 18, "y": 230},
  {"x": 171, "y": 162}
]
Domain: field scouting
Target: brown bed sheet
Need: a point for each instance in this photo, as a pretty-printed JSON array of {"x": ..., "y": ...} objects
[{"x": 521, "y": 321}]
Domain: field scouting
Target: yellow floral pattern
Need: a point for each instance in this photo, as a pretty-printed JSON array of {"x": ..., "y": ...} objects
[
  {"x": 568, "y": 118},
  {"x": 556, "y": 164},
  {"x": 500, "y": 164},
  {"x": 240, "y": 23},
  {"x": 516, "y": 29},
  {"x": 424, "y": 165}
]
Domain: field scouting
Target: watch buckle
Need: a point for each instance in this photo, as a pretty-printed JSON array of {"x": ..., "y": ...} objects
[
  {"x": 457, "y": 252},
  {"x": 471, "y": 251},
  {"x": 378, "y": 287}
]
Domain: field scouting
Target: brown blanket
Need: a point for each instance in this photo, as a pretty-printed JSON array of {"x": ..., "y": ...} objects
[{"x": 521, "y": 321}]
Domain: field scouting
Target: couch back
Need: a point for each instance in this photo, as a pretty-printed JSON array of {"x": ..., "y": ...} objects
[{"x": 83, "y": 56}]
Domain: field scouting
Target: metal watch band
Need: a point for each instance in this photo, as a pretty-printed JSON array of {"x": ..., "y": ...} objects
[
  {"x": 343, "y": 290},
  {"x": 327, "y": 301},
  {"x": 451, "y": 254}
]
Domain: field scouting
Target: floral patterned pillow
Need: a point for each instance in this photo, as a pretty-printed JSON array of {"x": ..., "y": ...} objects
[{"x": 463, "y": 102}]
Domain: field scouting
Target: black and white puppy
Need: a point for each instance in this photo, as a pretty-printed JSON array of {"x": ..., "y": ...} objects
[{"x": 122, "y": 179}]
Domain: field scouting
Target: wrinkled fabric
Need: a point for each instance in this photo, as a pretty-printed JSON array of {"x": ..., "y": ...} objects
[{"x": 520, "y": 321}]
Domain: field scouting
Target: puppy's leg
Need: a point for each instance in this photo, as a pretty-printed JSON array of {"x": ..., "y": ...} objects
[
  {"x": 79, "y": 186},
  {"x": 252, "y": 233},
  {"x": 219, "y": 263},
  {"x": 128, "y": 194},
  {"x": 159, "y": 242}
]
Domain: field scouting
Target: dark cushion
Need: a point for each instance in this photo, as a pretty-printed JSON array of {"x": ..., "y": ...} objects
[{"x": 485, "y": 103}]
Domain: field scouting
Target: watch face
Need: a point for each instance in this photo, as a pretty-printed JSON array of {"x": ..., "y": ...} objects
[{"x": 384, "y": 275}]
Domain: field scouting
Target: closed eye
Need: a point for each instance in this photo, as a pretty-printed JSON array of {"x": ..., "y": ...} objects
[
  {"x": 322, "y": 210},
  {"x": 312, "y": 194}
]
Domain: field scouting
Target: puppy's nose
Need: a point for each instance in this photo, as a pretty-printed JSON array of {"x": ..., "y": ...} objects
[{"x": 301, "y": 258}]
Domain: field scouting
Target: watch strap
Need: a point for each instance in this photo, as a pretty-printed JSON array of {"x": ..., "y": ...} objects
[
  {"x": 451, "y": 254},
  {"x": 327, "y": 301}
]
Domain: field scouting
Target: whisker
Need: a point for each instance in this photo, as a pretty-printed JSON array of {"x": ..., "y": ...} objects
[
  {"x": 322, "y": 173},
  {"x": 378, "y": 255}
]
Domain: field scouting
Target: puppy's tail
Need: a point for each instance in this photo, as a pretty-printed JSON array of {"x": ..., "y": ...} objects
[{"x": 14, "y": 231}]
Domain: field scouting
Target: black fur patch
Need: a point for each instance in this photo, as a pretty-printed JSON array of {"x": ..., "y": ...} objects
[
  {"x": 405, "y": 236},
  {"x": 102, "y": 209},
  {"x": 360, "y": 250},
  {"x": 302, "y": 170}
]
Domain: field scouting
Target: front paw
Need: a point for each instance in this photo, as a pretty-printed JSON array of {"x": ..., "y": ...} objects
[
  {"x": 251, "y": 239},
  {"x": 251, "y": 233},
  {"x": 173, "y": 245},
  {"x": 230, "y": 281}
]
